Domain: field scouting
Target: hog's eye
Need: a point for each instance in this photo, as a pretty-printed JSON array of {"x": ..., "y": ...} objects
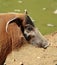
[{"x": 29, "y": 28}]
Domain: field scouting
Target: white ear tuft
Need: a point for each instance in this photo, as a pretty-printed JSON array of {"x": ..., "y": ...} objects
[
  {"x": 26, "y": 11},
  {"x": 8, "y": 23}
]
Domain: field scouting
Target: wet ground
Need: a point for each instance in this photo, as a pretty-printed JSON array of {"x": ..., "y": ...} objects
[{"x": 31, "y": 55}]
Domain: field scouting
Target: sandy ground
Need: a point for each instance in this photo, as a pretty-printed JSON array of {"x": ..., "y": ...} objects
[{"x": 31, "y": 55}]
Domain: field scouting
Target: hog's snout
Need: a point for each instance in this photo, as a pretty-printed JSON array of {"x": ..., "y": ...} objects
[{"x": 44, "y": 44}]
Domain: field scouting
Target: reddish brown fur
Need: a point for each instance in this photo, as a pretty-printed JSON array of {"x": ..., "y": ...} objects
[{"x": 12, "y": 39}]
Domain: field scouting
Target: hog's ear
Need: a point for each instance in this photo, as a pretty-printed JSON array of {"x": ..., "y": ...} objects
[
  {"x": 14, "y": 20},
  {"x": 15, "y": 35},
  {"x": 13, "y": 29}
]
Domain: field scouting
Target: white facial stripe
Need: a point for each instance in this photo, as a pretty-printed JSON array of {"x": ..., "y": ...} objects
[
  {"x": 32, "y": 33},
  {"x": 25, "y": 32}
]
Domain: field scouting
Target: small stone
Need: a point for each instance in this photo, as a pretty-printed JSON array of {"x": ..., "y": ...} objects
[
  {"x": 55, "y": 12},
  {"x": 20, "y": 1},
  {"x": 14, "y": 60},
  {"x": 17, "y": 10},
  {"x": 38, "y": 57},
  {"x": 4, "y": 63},
  {"x": 44, "y": 8},
  {"x": 21, "y": 63},
  {"x": 50, "y": 25}
]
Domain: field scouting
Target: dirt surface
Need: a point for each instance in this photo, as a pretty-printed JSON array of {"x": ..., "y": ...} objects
[{"x": 31, "y": 55}]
